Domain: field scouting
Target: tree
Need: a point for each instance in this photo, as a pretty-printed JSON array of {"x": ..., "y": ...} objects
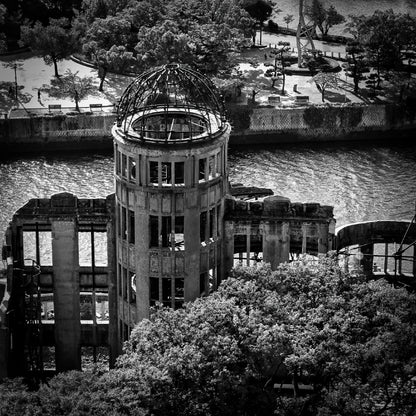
[
  {"x": 352, "y": 341},
  {"x": 143, "y": 13},
  {"x": 385, "y": 36},
  {"x": 323, "y": 18},
  {"x": 325, "y": 80},
  {"x": 61, "y": 8},
  {"x": 401, "y": 87},
  {"x": 214, "y": 47},
  {"x": 108, "y": 32},
  {"x": 199, "y": 12},
  {"x": 281, "y": 55},
  {"x": 229, "y": 88},
  {"x": 356, "y": 65},
  {"x": 72, "y": 86},
  {"x": 116, "y": 59},
  {"x": 3, "y": 43},
  {"x": 54, "y": 42},
  {"x": 94, "y": 9},
  {"x": 163, "y": 44},
  {"x": 209, "y": 47},
  {"x": 333, "y": 18},
  {"x": 260, "y": 11},
  {"x": 288, "y": 19}
]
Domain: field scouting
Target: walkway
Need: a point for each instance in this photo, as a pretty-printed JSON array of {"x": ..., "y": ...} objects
[{"x": 34, "y": 73}]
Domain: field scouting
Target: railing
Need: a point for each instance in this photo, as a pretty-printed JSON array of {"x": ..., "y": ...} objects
[
  {"x": 334, "y": 55},
  {"x": 58, "y": 109}
]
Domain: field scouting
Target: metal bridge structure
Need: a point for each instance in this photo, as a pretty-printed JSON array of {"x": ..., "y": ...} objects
[
  {"x": 381, "y": 249},
  {"x": 24, "y": 315}
]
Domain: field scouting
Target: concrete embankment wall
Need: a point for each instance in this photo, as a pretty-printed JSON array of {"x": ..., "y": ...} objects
[
  {"x": 251, "y": 125},
  {"x": 57, "y": 132},
  {"x": 271, "y": 125}
]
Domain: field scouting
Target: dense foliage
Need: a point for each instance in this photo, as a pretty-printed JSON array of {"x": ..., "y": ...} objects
[
  {"x": 307, "y": 323},
  {"x": 324, "y": 18},
  {"x": 386, "y": 38},
  {"x": 134, "y": 35}
]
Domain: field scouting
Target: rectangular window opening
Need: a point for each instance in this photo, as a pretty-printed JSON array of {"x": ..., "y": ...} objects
[
  {"x": 179, "y": 173},
  {"x": 179, "y": 292},
  {"x": 101, "y": 308},
  {"x": 131, "y": 227},
  {"x": 47, "y": 312},
  {"x": 202, "y": 169},
  {"x": 132, "y": 283},
  {"x": 100, "y": 249},
  {"x": 166, "y": 231},
  {"x": 86, "y": 307},
  {"x": 167, "y": 291},
  {"x": 124, "y": 165},
  {"x": 48, "y": 358},
  {"x": 154, "y": 173},
  {"x": 166, "y": 173},
  {"x": 179, "y": 233},
  {"x": 118, "y": 161},
  {"x": 84, "y": 249},
  {"x": 202, "y": 283},
  {"x": 202, "y": 226},
  {"x": 123, "y": 223},
  {"x": 211, "y": 280},
  {"x": 119, "y": 281},
  {"x": 218, "y": 164},
  {"x": 37, "y": 246},
  {"x": 125, "y": 284},
  {"x": 211, "y": 167},
  {"x": 132, "y": 169},
  {"x": 154, "y": 231},
  {"x": 211, "y": 222},
  {"x": 154, "y": 290}
]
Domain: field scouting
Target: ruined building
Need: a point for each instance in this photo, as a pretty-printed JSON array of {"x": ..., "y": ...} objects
[{"x": 82, "y": 272}]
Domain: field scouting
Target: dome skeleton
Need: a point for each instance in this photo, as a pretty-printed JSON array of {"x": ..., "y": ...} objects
[{"x": 169, "y": 104}]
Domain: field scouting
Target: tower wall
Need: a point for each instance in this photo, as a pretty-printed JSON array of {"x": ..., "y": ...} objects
[{"x": 169, "y": 211}]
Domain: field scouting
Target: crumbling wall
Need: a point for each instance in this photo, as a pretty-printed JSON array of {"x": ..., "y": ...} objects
[
  {"x": 62, "y": 235},
  {"x": 276, "y": 227}
]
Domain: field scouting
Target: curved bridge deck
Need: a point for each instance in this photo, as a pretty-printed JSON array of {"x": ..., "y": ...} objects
[{"x": 381, "y": 248}]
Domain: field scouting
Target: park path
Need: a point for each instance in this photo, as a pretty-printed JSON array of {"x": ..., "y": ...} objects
[{"x": 35, "y": 73}]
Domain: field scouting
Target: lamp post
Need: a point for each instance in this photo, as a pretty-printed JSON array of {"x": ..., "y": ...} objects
[
  {"x": 15, "y": 80},
  {"x": 15, "y": 65}
]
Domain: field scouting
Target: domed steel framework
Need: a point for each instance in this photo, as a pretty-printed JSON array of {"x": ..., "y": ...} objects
[{"x": 171, "y": 104}]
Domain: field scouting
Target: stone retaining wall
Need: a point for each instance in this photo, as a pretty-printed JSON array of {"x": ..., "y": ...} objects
[
  {"x": 251, "y": 125},
  {"x": 53, "y": 132}
]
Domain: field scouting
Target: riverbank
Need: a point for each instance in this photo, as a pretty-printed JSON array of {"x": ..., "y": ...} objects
[{"x": 251, "y": 124}]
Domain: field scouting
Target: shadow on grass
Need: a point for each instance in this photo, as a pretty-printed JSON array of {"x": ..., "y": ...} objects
[
  {"x": 114, "y": 86},
  {"x": 7, "y": 96}
]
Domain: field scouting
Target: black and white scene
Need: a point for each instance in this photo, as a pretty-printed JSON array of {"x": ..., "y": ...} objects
[{"x": 208, "y": 207}]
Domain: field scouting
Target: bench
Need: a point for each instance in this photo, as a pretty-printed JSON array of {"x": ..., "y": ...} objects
[
  {"x": 54, "y": 107},
  {"x": 302, "y": 99},
  {"x": 273, "y": 99},
  {"x": 96, "y": 106}
]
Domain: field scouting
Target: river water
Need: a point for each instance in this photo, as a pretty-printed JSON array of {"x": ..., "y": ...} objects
[{"x": 362, "y": 181}]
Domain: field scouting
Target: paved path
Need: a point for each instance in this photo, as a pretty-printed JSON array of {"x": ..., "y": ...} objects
[{"x": 35, "y": 73}]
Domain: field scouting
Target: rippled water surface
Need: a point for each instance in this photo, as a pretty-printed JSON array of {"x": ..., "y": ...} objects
[{"x": 362, "y": 182}]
